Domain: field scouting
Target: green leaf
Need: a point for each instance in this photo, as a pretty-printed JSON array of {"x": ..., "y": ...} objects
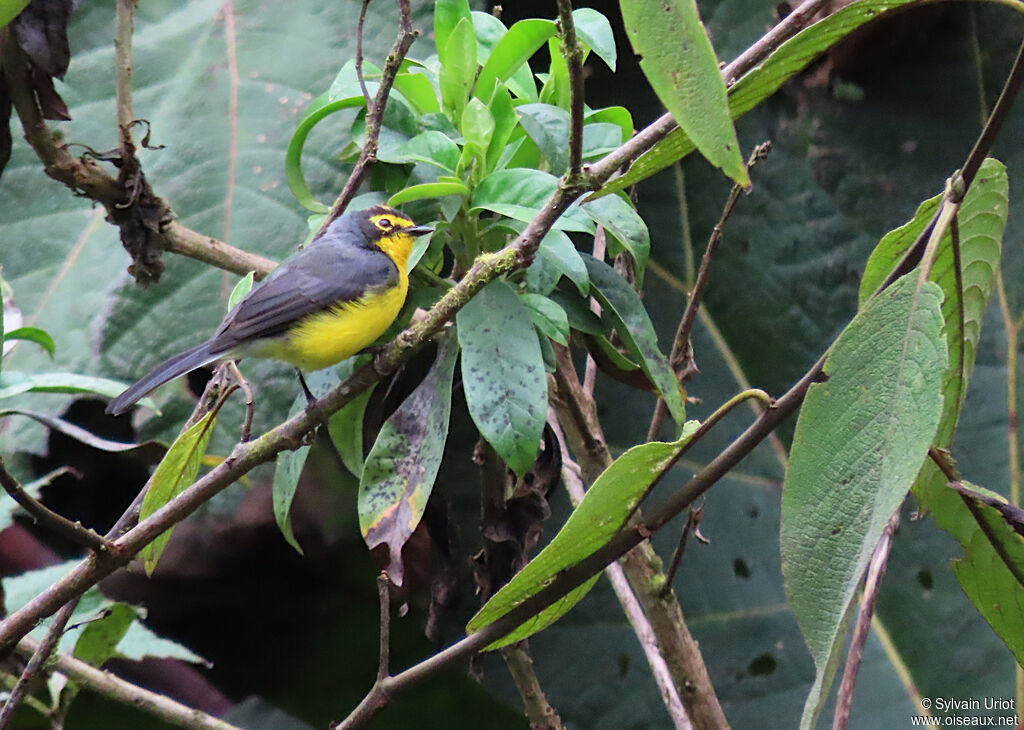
[
  {"x": 992, "y": 570},
  {"x": 318, "y": 109},
  {"x": 459, "y": 69},
  {"x": 135, "y": 643},
  {"x": 346, "y": 431},
  {"x": 848, "y": 475},
  {"x": 619, "y": 300},
  {"x": 620, "y": 219},
  {"x": 243, "y": 287},
  {"x": 149, "y": 452},
  {"x": 556, "y": 89},
  {"x": 617, "y": 115},
  {"x": 447, "y": 15},
  {"x": 548, "y": 127},
  {"x": 677, "y": 58},
  {"x": 415, "y": 86},
  {"x": 13, "y": 383},
  {"x": 477, "y": 126},
  {"x": 511, "y": 52},
  {"x": 982, "y": 221},
  {"x": 595, "y": 30},
  {"x": 400, "y": 470},
  {"x": 605, "y": 508},
  {"x": 32, "y": 334},
  {"x": 489, "y": 31},
  {"x": 290, "y": 463},
  {"x": 177, "y": 470},
  {"x": 600, "y": 138},
  {"x": 428, "y": 190},
  {"x": 98, "y": 641},
  {"x": 549, "y": 318},
  {"x": 557, "y": 257},
  {"x": 504, "y": 115},
  {"x": 434, "y": 148},
  {"x": 9, "y": 10},
  {"x": 759, "y": 83},
  {"x": 503, "y": 374},
  {"x": 520, "y": 193}
]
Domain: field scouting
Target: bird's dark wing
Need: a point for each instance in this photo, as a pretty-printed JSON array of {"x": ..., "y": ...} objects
[{"x": 321, "y": 275}]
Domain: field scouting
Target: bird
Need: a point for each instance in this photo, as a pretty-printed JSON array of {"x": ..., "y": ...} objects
[{"x": 322, "y": 305}]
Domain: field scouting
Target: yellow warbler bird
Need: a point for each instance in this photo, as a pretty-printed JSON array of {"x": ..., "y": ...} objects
[{"x": 322, "y": 305}]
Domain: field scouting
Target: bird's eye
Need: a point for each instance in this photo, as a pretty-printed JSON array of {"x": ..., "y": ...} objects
[{"x": 385, "y": 224}]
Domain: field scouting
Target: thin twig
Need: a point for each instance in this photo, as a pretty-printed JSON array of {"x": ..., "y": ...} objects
[
  {"x": 33, "y": 670},
  {"x": 573, "y": 54},
  {"x": 627, "y": 599},
  {"x": 125, "y": 29},
  {"x": 590, "y": 367},
  {"x": 249, "y": 399},
  {"x": 359, "y": 55},
  {"x": 876, "y": 569},
  {"x": 692, "y": 526},
  {"x": 126, "y": 693},
  {"x": 681, "y": 341},
  {"x": 384, "y": 594},
  {"x": 375, "y": 114},
  {"x": 539, "y": 712},
  {"x": 73, "y": 531}
]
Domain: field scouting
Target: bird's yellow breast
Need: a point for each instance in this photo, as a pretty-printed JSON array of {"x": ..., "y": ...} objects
[{"x": 328, "y": 337}]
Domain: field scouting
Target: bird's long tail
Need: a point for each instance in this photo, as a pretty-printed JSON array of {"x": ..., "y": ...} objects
[{"x": 168, "y": 370}]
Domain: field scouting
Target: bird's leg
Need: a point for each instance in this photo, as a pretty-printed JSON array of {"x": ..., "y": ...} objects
[{"x": 311, "y": 407}]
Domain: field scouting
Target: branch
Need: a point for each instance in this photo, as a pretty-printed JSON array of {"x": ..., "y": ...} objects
[
  {"x": 375, "y": 111},
  {"x": 87, "y": 178},
  {"x": 641, "y": 566},
  {"x": 73, "y": 531},
  {"x": 539, "y": 712},
  {"x": 34, "y": 668},
  {"x": 801, "y": 17},
  {"x": 681, "y": 342},
  {"x": 630, "y": 605},
  {"x": 384, "y": 594},
  {"x": 573, "y": 54},
  {"x": 876, "y": 569},
  {"x": 126, "y": 693},
  {"x": 125, "y": 28}
]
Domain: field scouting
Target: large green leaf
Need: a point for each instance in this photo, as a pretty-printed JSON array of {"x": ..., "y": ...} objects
[
  {"x": 447, "y": 15},
  {"x": 602, "y": 513},
  {"x": 631, "y": 322},
  {"x": 860, "y": 440},
  {"x": 511, "y": 52},
  {"x": 399, "y": 472},
  {"x": 520, "y": 193},
  {"x": 134, "y": 641},
  {"x": 626, "y": 227},
  {"x": 759, "y": 83},
  {"x": 982, "y": 219},
  {"x": 677, "y": 58},
  {"x": 176, "y": 471},
  {"x": 503, "y": 374},
  {"x": 289, "y": 464}
]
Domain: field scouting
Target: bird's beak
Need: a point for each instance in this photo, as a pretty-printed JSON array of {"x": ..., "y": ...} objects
[{"x": 418, "y": 230}]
